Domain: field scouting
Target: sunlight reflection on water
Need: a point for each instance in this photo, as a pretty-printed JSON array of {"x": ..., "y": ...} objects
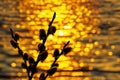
[{"x": 89, "y": 25}]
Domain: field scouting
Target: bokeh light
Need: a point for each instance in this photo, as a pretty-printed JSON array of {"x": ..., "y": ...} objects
[
  {"x": 77, "y": 21},
  {"x": 74, "y": 22}
]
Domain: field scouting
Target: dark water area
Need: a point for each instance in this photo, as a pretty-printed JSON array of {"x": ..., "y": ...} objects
[{"x": 97, "y": 55}]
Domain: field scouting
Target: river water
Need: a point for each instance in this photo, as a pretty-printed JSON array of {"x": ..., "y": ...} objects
[{"x": 92, "y": 26}]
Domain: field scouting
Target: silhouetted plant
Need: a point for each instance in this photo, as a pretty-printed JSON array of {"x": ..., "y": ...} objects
[{"x": 43, "y": 53}]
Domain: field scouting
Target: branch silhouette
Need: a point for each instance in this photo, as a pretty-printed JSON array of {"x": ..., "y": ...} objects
[{"x": 31, "y": 68}]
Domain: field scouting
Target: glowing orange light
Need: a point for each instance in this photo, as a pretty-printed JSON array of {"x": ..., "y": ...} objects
[
  {"x": 118, "y": 60},
  {"x": 92, "y": 60},
  {"x": 19, "y": 74},
  {"x": 77, "y": 74},
  {"x": 110, "y": 53},
  {"x": 24, "y": 70},
  {"x": 86, "y": 49},
  {"x": 76, "y": 49},
  {"x": 112, "y": 47},
  {"x": 97, "y": 52},
  {"x": 13, "y": 64},
  {"x": 96, "y": 43},
  {"x": 67, "y": 27},
  {"x": 73, "y": 22},
  {"x": 82, "y": 64},
  {"x": 61, "y": 33},
  {"x": 17, "y": 26},
  {"x": 86, "y": 78}
]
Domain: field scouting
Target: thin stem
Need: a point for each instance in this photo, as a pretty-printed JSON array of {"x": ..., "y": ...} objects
[
  {"x": 46, "y": 76},
  {"x": 30, "y": 78},
  {"x": 25, "y": 64},
  {"x": 29, "y": 72},
  {"x": 44, "y": 40},
  {"x": 27, "y": 69},
  {"x": 50, "y": 24}
]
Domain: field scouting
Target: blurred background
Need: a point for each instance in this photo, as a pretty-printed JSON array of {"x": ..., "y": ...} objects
[{"x": 92, "y": 26}]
